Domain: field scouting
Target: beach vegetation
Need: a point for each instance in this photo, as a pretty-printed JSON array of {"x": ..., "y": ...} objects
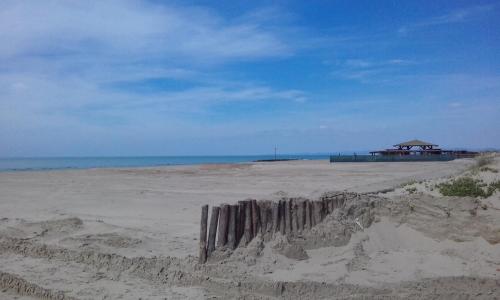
[
  {"x": 488, "y": 169},
  {"x": 468, "y": 187},
  {"x": 411, "y": 190}
]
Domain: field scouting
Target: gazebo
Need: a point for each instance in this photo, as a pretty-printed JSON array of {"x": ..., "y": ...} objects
[{"x": 413, "y": 147}]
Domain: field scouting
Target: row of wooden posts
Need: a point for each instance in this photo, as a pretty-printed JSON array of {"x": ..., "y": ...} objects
[{"x": 238, "y": 224}]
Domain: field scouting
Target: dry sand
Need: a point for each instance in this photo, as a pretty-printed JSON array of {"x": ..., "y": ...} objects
[{"x": 132, "y": 233}]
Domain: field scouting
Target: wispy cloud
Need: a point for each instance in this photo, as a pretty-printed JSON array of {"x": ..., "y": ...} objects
[
  {"x": 456, "y": 16},
  {"x": 367, "y": 71},
  {"x": 132, "y": 29}
]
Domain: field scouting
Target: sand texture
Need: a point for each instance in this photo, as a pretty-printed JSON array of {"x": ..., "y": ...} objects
[{"x": 133, "y": 234}]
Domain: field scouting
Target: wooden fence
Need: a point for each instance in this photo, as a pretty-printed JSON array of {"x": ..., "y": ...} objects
[{"x": 233, "y": 225}]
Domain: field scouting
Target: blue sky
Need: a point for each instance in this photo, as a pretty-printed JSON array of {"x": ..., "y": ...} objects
[{"x": 90, "y": 78}]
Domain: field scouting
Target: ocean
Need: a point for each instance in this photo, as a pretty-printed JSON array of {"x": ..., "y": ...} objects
[{"x": 58, "y": 163}]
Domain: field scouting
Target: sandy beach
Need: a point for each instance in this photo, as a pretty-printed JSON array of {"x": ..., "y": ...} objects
[{"x": 132, "y": 233}]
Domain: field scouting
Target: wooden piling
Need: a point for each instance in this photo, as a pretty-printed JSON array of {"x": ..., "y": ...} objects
[
  {"x": 275, "y": 216},
  {"x": 282, "y": 216},
  {"x": 203, "y": 235},
  {"x": 317, "y": 211},
  {"x": 288, "y": 217},
  {"x": 223, "y": 222},
  {"x": 241, "y": 220},
  {"x": 300, "y": 215},
  {"x": 248, "y": 222},
  {"x": 312, "y": 209},
  {"x": 231, "y": 234},
  {"x": 255, "y": 218},
  {"x": 295, "y": 216},
  {"x": 263, "y": 217},
  {"x": 212, "y": 232},
  {"x": 307, "y": 208}
]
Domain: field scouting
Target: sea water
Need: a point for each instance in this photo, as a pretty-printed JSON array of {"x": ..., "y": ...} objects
[{"x": 51, "y": 163}]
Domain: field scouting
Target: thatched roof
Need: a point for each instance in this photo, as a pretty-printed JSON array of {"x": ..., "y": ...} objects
[{"x": 414, "y": 143}]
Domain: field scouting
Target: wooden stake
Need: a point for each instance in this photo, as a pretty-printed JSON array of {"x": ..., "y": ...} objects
[
  {"x": 231, "y": 234},
  {"x": 263, "y": 217},
  {"x": 275, "y": 216},
  {"x": 317, "y": 211},
  {"x": 295, "y": 216},
  {"x": 212, "y": 232},
  {"x": 288, "y": 217},
  {"x": 248, "y": 222},
  {"x": 255, "y": 218},
  {"x": 282, "y": 216},
  {"x": 241, "y": 220},
  {"x": 203, "y": 235},
  {"x": 312, "y": 209},
  {"x": 223, "y": 222},
  {"x": 307, "y": 206},
  {"x": 300, "y": 215}
]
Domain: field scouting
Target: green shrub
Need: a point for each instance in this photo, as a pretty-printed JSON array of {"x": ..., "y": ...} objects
[
  {"x": 462, "y": 187},
  {"x": 468, "y": 187}
]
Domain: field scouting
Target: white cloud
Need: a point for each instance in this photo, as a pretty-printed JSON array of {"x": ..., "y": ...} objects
[
  {"x": 129, "y": 28},
  {"x": 455, "y": 16}
]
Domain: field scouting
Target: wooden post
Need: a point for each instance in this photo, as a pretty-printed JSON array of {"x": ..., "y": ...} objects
[
  {"x": 255, "y": 218},
  {"x": 212, "y": 232},
  {"x": 248, "y": 222},
  {"x": 282, "y": 216},
  {"x": 231, "y": 234},
  {"x": 241, "y": 220},
  {"x": 300, "y": 215},
  {"x": 275, "y": 216},
  {"x": 312, "y": 211},
  {"x": 263, "y": 217},
  {"x": 223, "y": 222},
  {"x": 317, "y": 211},
  {"x": 288, "y": 217},
  {"x": 307, "y": 208},
  {"x": 295, "y": 216},
  {"x": 203, "y": 235}
]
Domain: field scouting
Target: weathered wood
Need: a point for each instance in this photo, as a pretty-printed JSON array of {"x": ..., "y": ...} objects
[
  {"x": 322, "y": 212},
  {"x": 275, "y": 216},
  {"x": 282, "y": 216},
  {"x": 295, "y": 216},
  {"x": 241, "y": 220},
  {"x": 288, "y": 217},
  {"x": 329, "y": 205},
  {"x": 317, "y": 211},
  {"x": 231, "y": 232},
  {"x": 223, "y": 224},
  {"x": 203, "y": 235},
  {"x": 312, "y": 209},
  {"x": 248, "y": 222},
  {"x": 307, "y": 208},
  {"x": 255, "y": 218},
  {"x": 212, "y": 232},
  {"x": 300, "y": 215},
  {"x": 263, "y": 217}
]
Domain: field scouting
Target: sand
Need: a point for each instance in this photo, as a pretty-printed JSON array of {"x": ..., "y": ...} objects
[{"x": 132, "y": 233}]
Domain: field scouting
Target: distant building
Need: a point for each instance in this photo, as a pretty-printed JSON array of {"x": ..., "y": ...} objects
[{"x": 418, "y": 147}]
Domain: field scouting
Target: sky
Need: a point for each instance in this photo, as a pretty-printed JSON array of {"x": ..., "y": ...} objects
[{"x": 121, "y": 78}]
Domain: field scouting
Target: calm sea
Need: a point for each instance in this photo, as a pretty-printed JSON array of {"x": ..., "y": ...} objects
[{"x": 55, "y": 163}]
